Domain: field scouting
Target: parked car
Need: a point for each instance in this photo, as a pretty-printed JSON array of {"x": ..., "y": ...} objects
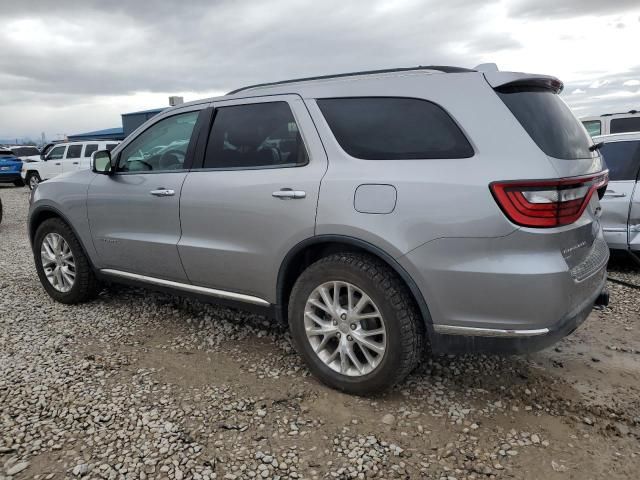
[
  {"x": 61, "y": 158},
  {"x": 10, "y": 166},
  {"x": 610, "y": 123},
  {"x": 373, "y": 211},
  {"x": 26, "y": 152},
  {"x": 621, "y": 202}
]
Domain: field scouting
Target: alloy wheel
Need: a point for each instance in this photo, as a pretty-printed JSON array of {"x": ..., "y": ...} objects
[
  {"x": 345, "y": 328},
  {"x": 58, "y": 262}
]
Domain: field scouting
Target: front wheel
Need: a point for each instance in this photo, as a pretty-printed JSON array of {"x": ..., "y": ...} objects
[
  {"x": 32, "y": 180},
  {"x": 355, "y": 323},
  {"x": 63, "y": 267}
]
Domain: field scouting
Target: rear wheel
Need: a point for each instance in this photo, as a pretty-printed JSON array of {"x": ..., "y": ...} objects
[
  {"x": 355, "y": 323},
  {"x": 33, "y": 179},
  {"x": 63, "y": 267}
]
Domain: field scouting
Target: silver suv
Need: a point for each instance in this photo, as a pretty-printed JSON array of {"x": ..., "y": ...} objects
[{"x": 376, "y": 212}]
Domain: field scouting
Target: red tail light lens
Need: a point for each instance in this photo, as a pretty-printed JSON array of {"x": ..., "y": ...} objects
[{"x": 547, "y": 203}]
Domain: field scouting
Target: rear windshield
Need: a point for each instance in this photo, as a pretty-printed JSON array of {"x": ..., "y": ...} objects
[
  {"x": 26, "y": 151},
  {"x": 394, "y": 128},
  {"x": 549, "y": 122},
  {"x": 622, "y": 159},
  {"x": 624, "y": 125}
]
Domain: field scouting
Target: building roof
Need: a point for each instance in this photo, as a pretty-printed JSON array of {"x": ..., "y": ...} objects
[
  {"x": 108, "y": 133},
  {"x": 153, "y": 110}
]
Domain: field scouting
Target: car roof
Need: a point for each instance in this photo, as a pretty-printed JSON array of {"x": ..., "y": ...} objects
[{"x": 617, "y": 137}]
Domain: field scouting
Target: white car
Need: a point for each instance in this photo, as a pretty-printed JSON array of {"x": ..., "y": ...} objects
[
  {"x": 610, "y": 123},
  {"x": 62, "y": 158}
]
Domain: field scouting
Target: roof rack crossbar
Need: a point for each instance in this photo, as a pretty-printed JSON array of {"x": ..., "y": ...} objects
[{"x": 440, "y": 68}]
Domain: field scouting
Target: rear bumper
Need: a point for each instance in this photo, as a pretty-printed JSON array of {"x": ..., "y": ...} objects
[
  {"x": 518, "y": 341},
  {"x": 511, "y": 294}
]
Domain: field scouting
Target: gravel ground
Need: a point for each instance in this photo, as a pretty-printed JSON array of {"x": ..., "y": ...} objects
[{"x": 143, "y": 385}]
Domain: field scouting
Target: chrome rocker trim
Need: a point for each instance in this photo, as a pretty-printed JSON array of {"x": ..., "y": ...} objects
[
  {"x": 187, "y": 287},
  {"x": 487, "y": 332}
]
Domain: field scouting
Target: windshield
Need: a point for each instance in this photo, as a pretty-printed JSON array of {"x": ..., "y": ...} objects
[{"x": 549, "y": 122}]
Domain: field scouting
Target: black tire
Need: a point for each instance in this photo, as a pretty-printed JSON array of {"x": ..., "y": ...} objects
[
  {"x": 28, "y": 179},
  {"x": 18, "y": 183},
  {"x": 86, "y": 286},
  {"x": 405, "y": 329}
]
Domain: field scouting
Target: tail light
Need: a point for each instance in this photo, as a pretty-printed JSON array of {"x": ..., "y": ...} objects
[{"x": 547, "y": 203}]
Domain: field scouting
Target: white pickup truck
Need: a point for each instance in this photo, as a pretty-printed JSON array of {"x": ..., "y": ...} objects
[
  {"x": 621, "y": 203},
  {"x": 62, "y": 158}
]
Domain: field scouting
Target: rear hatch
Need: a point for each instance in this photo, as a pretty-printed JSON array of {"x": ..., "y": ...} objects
[
  {"x": 567, "y": 205},
  {"x": 9, "y": 162}
]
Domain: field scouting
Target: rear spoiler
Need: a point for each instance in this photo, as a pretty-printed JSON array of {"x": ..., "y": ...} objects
[{"x": 506, "y": 80}]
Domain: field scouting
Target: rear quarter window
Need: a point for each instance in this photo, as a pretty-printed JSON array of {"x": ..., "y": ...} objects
[
  {"x": 548, "y": 121},
  {"x": 625, "y": 125},
  {"x": 393, "y": 128}
]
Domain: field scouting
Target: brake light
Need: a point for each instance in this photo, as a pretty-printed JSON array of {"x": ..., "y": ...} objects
[{"x": 547, "y": 203}]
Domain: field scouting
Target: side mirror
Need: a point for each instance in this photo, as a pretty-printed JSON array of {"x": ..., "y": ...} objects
[
  {"x": 43, "y": 157},
  {"x": 101, "y": 162}
]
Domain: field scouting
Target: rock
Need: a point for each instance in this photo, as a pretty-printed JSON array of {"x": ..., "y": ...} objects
[
  {"x": 535, "y": 439},
  {"x": 17, "y": 468},
  {"x": 388, "y": 419}
]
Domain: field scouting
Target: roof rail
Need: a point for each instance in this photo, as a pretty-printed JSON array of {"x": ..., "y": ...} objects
[
  {"x": 440, "y": 68},
  {"x": 619, "y": 113}
]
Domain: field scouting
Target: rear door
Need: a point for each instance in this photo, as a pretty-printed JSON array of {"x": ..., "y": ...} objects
[
  {"x": 623, "y": 160},
  {"x": 134, "y": 213},
  {"x": 254, "y": 197},
  {"x": 88, "y": 150},
  {"x": 71, "y": 162}
]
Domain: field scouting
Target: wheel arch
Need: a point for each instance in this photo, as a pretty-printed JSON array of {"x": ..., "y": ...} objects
[
  {"x": 45, "y": 212},
  {"x": 312, "y": 249}
]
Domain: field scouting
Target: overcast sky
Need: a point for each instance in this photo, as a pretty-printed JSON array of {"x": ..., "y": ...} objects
[{"x": 74, "y": 66}]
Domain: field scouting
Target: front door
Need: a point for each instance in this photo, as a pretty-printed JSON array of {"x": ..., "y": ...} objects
[
  {"x": 254, "y": 197},
  {"x": 52, "y": 165},
  {"x": 623, "y": 160},
  {"x": 134, "y": 213}
]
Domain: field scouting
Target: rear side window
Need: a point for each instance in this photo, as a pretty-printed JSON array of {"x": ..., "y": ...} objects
[
  {"x": 393, "y": 128},
  {"x": 624, "y": 125},
  {"x": 253, "y": 136},
  {"x": 74, "y": 151},
  {"x": 622, "y": 159},
  {"x": 90, "y": 148},
  {"x": 594, "y": 127},
  {"x": 549, "y": 122}
]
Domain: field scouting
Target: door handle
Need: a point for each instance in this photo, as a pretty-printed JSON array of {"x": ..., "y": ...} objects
[
  {"x": 613, "y": 194},
  {"x": 75, "y": 163},
  {"x": 162, "y": 192},
  {"x": 288, "y": 194},
  {"x": 58, "y": 163}
]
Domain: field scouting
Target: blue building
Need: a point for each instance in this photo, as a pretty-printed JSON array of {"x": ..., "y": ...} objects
[{"x": 130, "y": 121}]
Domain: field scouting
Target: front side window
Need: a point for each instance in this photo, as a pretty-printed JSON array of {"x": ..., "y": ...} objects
[
  {"x": 162, "y": 147},
  {"x": 56, "y": 153},
  {"x": 74, "y": 151},
  {"x": 111, "y": 146},
  {"x": 594, "y": 127},
  {"x": 622, "y": 159},
  {"x": 90, "y": 148},
  {"x": 625, "y": 125},
  {"x": 394, "y": 128},
  {"x": 253, "y": 136}
]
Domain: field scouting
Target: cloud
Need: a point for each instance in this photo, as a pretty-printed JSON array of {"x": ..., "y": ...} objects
[
  {"x": 568, "y": 8},
  {"x": 631, "y": 83},
  {"x": 578, "y": 91}
]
